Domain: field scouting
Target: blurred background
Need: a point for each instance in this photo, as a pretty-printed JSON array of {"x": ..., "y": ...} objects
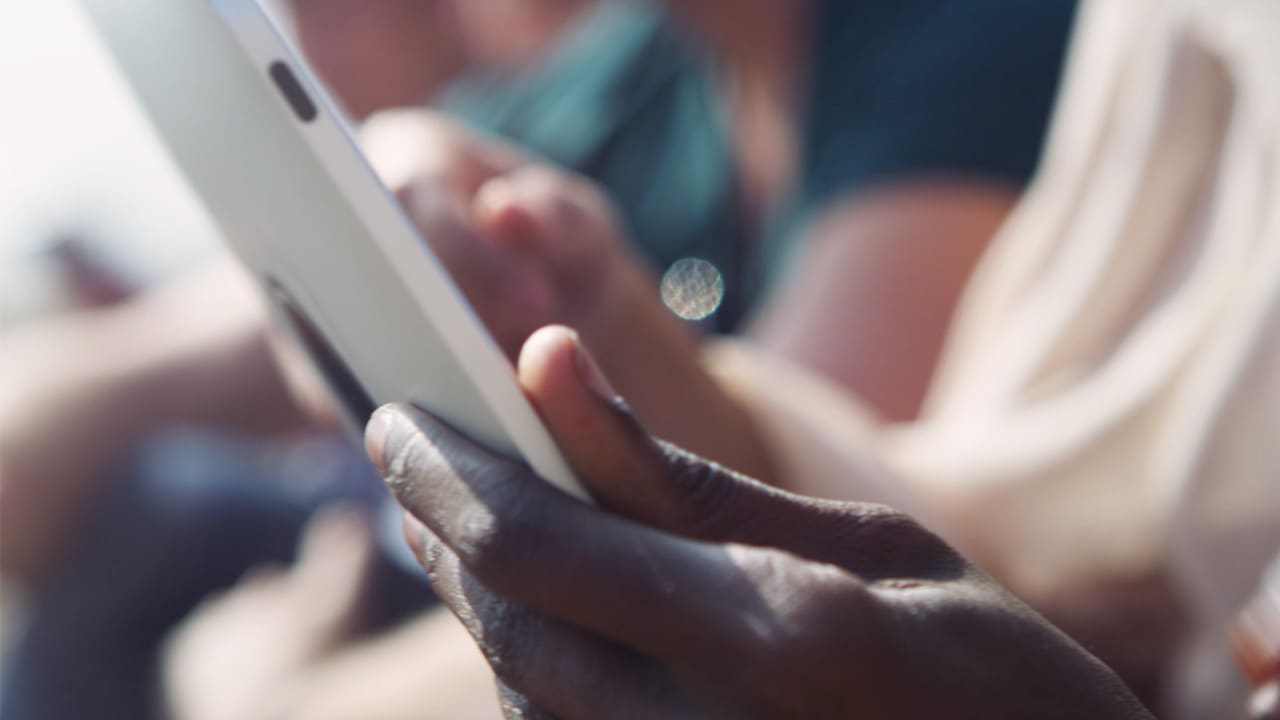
[
  {"x": 83, "y": 171},
  {"x": 93, "y": 210}
]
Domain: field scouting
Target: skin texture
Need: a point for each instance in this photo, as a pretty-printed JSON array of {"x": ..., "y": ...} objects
[{"x": 692, "y": 591}]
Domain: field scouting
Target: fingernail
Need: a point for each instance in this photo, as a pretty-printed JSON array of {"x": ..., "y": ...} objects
[
  {"x": 377, "y": 437},
  {"x": 496, "y": 207},
  {"x": 591, "y": 374}
]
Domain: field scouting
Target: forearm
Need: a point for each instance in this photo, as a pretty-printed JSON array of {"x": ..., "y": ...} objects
[
  {"x": 84, "y": 390},
  {"x": 220, "y": 373},
  {"x": 869, "y": 301},
  {"x": 64, "y": 416}
]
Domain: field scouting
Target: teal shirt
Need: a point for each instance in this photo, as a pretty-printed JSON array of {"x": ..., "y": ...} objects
[
  {"x": 630, "y": 103},
  {"x": 897, "y": 89},
  {"x": 908, "y": 88}
]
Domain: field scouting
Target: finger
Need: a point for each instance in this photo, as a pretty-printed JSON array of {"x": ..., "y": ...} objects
[
  {"x": 549, "y": 664},
  {"x": 259, "y": 591},
  {"x": 500, "y": 214},
  {"x": 625, "y": 469},
  {"x": 508, "y": 290},
  {"x": 261, "y": 586},
  {"x": 628, "y": 472},
  {"x": 268, "y": 578},
  {"x": 1265, "y": 703},
  {"x": 564, "y": 222},
  {"x": 332, "y": 578},
  {"x": 534, "y": 204},
  {"x": 656, "y": 593},
  {"x": 403, "y": 145}
]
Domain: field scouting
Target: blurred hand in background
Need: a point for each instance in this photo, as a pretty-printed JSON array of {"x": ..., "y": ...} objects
[{"x": 1256, "y": 640}]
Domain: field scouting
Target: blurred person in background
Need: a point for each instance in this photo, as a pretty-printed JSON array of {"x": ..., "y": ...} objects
[
  {"x": 136, "y": 484},
  {"x": 609, "y": 89}
]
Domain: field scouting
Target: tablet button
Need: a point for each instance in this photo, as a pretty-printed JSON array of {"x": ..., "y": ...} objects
[{"x": 293, "y": 91}]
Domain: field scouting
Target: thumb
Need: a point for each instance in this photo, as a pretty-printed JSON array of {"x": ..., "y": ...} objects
[
  {"x": 635, "y": 475},
  {"x": 624, "y": 468}
]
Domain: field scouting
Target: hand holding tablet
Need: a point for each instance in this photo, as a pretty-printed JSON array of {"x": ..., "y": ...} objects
[{"x": 344, "y": 268}]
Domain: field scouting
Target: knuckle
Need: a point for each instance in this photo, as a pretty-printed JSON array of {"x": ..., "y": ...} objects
[
  {"x": 484, "y": 543},
  {"x": 593, "y": 206},
  {"x": 509, "y": 642},
  {"x": 435, "y": 559},
  {"x": 887, "y": 525},
  {"x": 571, "y": 199},
  {"x": 565, "y": 212},
  {"x": 883, "y": 520},
  {"x": 539, "y": 181},
  {"x": 565, "y": 205},
  {"x": 495, "y": 535},
  {"x": 769, "y": 575},
  {"x": 808, "y": 608},
  {"x": 705, "y": 494},
  {"x": 880, "y": 541}
]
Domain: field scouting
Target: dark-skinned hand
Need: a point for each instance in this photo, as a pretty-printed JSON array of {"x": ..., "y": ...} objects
[{"x": 693, "y": 592}]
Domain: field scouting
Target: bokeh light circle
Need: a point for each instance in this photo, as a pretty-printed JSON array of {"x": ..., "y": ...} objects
[{"x": 693, "y": 288}]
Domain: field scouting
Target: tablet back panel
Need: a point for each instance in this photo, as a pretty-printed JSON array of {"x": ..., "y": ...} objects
[{"x": 294, "y": 197}]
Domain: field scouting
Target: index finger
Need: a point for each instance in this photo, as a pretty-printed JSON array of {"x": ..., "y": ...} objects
[
  {"x": 406, "y": 144},
  {"x": 664, "y": 596}
]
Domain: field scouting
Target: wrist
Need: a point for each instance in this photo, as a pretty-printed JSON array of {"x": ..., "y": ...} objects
[{"x": 208, "y": 370}]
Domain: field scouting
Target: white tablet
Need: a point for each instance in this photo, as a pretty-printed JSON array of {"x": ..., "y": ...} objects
[{"x": 286, "y": 182}]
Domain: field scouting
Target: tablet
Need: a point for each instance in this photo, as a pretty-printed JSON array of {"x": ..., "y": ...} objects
[{"x": 342, "y": 266}]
